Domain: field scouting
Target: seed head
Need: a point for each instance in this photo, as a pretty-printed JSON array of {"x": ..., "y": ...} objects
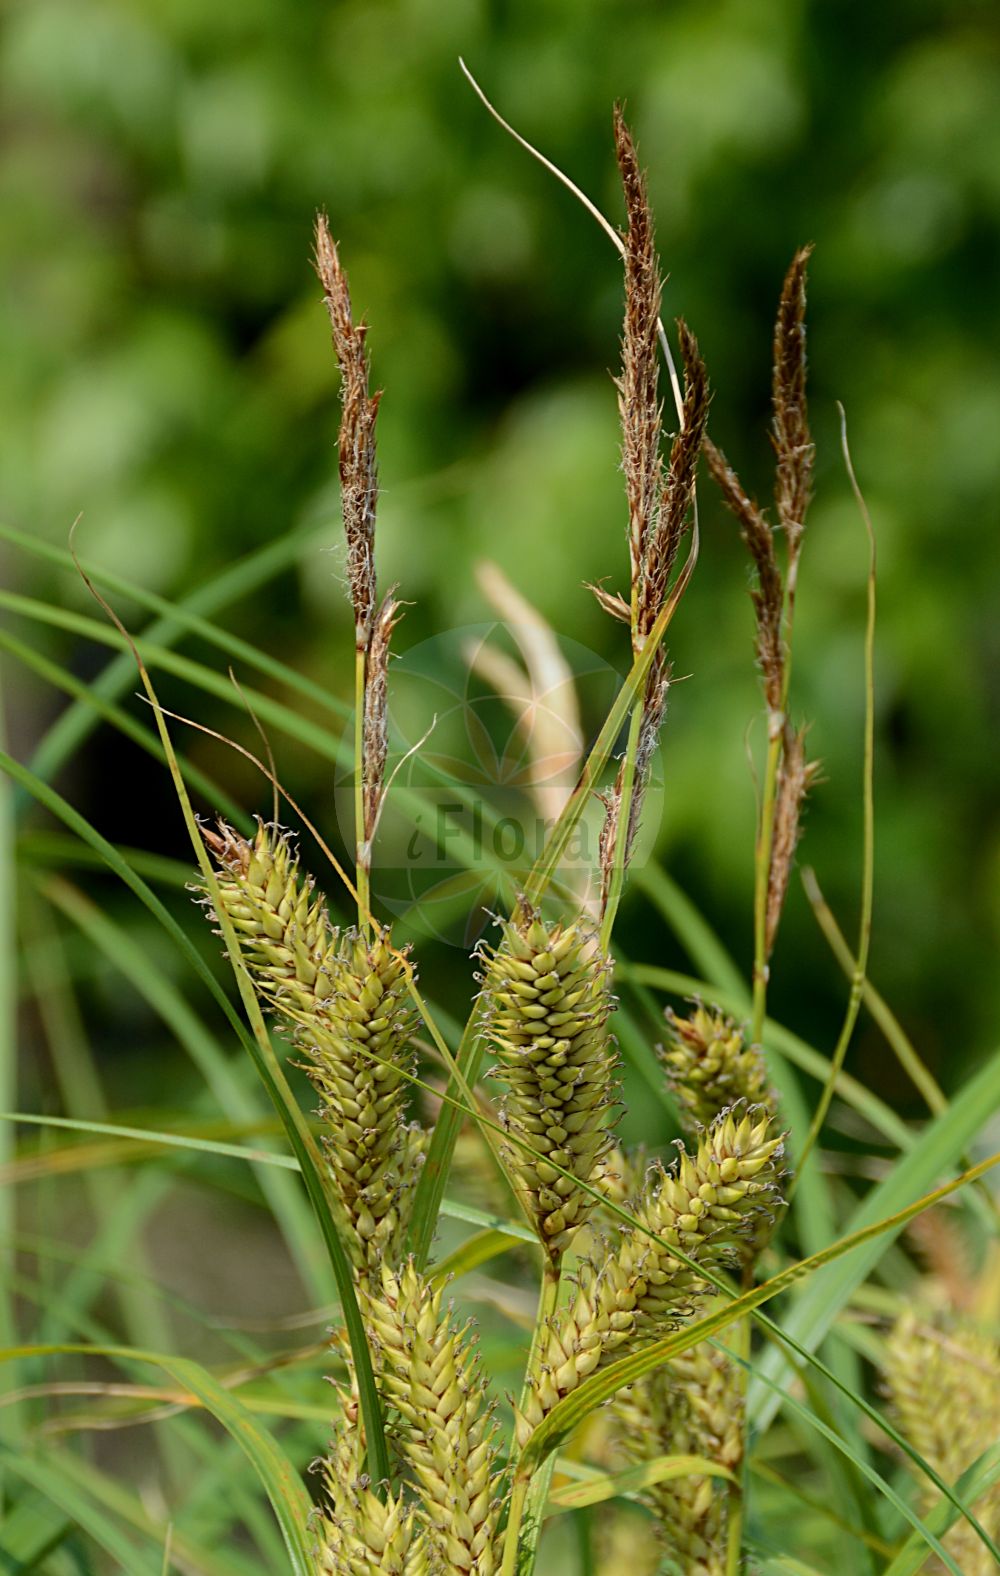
[
  {"x": 710, "y": 1066},
  {"x": 358, "y": 467},
  {"x": 361, "y": 1535},
  {"x": 548, "y": 1000},
  {"x": 945, "y": 1388},
  {"x": 793, "y": 445},
  {"x": 708, "y": 1205},
  {"x": 447, "y": 1435},
  {"x": 344, "y": 1000}
]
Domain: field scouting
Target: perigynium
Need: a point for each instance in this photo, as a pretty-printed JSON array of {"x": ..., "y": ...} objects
[
  {"x": 944, "y": 1382},
  {"x": 710, "y": 1065},
  {"x": 691, "y": 1406},
  {"x": 361, "y": 1534},
  {"x": 548, "y": 1001},
  {"x": 706, "y": 1205},
  {"x": 447, "y": 1435},
  {"x": 342, "y": 998}
]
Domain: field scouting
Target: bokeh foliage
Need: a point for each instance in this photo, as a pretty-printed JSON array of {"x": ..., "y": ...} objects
[{"x": 167, "y": 372}]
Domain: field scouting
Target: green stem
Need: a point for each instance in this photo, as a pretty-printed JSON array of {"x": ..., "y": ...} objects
[
  {"x": 8, "y": 1059},
  {"x": 518, "y": 1500},
  {"x": 777, "y": 722},
  {"x": 531, "y": 1513},
  {"x": 868, "y": 849},
  {"x": 736, "y": 1495},
  {"x": 762, "y": 872},
  {"x": 617, "y": 883},
  {"x": 906, "y": 1052},
  {"x": 547, "y": 1300}
]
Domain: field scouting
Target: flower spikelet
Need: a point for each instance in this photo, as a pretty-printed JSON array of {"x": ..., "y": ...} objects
[
  {"x": 707, "y": 1205},
  {"x": 945, "y": 1388},
  {"x": 359, "y": 1050},
  {"x": 549, "y": 1002},
  {"x": 361, "y": 1535},
  {"x": 710, "y": 1066},
  {"x": 284, "y": 931},
  {"x": 447, "y": 1436},
  {"x": 343, "y": 999},
  {"x": 691, "y": 1406}
]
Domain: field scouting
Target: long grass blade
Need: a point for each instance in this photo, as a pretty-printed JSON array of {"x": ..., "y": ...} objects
[
  {"x": 612, "y": 1485},
  {"x": 947, "y": 1137},
  {"x": 8, "y": 1039},
  {"x": 62, "y": 679},
  {"x": 70, "y": 730},
  {"x": 974, "y": 1482},
  {"x": 295, "y": 1127},
  {"x": 281, "y": 1481}
]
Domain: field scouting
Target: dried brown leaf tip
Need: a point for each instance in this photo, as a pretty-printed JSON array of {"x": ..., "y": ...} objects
[
  {"x": 358, "y": 468},
  {"x": 792, "y": 439}
]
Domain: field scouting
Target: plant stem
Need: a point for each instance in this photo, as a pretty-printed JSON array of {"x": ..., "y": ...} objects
[
  {"x": 547, "y": 1299},
  {"x": 860, "y": 973},
  {"x": 906, "y": 1052},
  {"x": 8, "y": 1061},
  {"x": 777, "y": 722},
  {"x": 518, "y": 1499},
  {"x": 362, "y": 851},
  {"x": 531, "y": 1511},
  {"x": 617, "y": 883},
  {"x": 762, "y": 873},
  {"x": 736, "y": 1495}
]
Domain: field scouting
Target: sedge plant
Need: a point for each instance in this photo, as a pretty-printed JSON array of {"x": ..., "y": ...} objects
[{"x": 652, "y": 1366}]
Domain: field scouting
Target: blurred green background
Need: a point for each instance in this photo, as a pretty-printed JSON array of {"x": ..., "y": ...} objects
[{"x": 166, "y": 370}]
